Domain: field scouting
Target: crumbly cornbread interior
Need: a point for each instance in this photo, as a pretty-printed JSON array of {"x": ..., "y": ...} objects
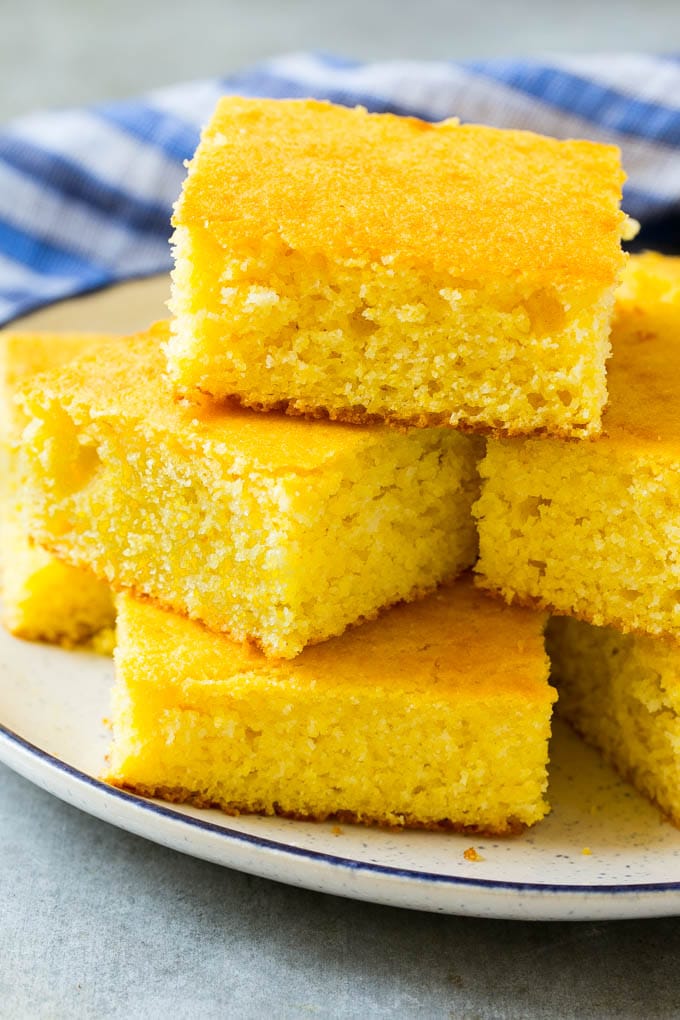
[
  {"x": 375, "y": 341},
  {"x": 584, "y": 530},
  {"x": 467, "y": 279},
  {"x": 591, "y": 529},
  {"x": 42, "y": 598},
  {"x": 622, "y": 693},
  {"x": 275, "y": 530},
  {"x": 436, "y": 714},
  {"x": 46, "y": 600}
]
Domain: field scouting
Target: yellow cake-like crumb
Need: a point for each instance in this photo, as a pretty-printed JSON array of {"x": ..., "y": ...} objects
[
  {"x": 46, "y": 600},
  {"x": 622, "y": 693},
  {"x": 436, "y": 714},
  {"x": 352, "y": 265},
  {"x": 592, "y": 529},
  {"x": 272, "y": 529},
  {"x": 42, "y": 599}
]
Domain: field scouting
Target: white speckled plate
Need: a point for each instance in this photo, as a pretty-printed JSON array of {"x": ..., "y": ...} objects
[{"x": 52, "y": 704}]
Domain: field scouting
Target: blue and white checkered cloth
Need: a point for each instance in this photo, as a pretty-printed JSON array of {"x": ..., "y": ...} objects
[{"x": 86, "y": 194}]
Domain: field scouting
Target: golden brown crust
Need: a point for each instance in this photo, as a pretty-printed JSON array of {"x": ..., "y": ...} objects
[
  {"x": 470, "y": 200},
  {"x": 424, "y": 420},
  {"x": 179, "y": 795},
  {"x": 535, "y": 602}
]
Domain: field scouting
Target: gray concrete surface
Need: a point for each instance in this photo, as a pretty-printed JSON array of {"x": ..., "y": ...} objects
[
  {"x": 100, "y": 924},
  {"x": 96, "y": 923}
]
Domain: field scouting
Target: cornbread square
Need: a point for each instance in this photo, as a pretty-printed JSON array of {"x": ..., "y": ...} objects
[
  {"x": 274, "y": 530},
  {"x": 435, "y": 715},
  {"x": 332, "y": 262},
  {"x": 592, "y": 529},
  {"x": 622, "y": 693},
  {"x": 42, "y": 599}
]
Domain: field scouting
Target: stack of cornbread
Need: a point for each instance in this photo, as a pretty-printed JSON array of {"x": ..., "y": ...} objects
[
  {"x": 592, "y": 531},
  {"x": 405, "y": 284}
]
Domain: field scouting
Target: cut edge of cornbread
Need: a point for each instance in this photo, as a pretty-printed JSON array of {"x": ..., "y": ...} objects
[
  {"x": 301, "y": 368},
  {"x": 462, "y": 552},
  {"x": 581, "y": 529},
  {"x": 590, "y": 529},
  {"x": 390, "y": 273},
  {"x": 342, "y": 729},
  {"x": 491, "y": 394},
  {"x": 621, "y": 693}
]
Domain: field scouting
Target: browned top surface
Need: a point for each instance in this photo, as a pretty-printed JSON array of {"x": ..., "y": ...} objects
[{"x": 475, "y": 201}]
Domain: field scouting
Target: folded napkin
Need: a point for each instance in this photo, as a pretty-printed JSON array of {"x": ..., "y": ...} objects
[{"x": 86, "y": 194}]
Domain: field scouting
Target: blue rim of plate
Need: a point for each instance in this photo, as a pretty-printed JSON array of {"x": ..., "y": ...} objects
[{"x": 159, "y": 810}]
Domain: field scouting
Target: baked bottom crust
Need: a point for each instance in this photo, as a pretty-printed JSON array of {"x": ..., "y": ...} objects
[
  {"x": 446, "y": 372},
  {"x": 102, "y": 641},
  {"x": 417, "y": 593},
  {"x": 424, "y": 420},
  {"x": 178, "y": 795},
  {"x": 539, "y": 604},
  {"x": 46, "y": 600}
]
